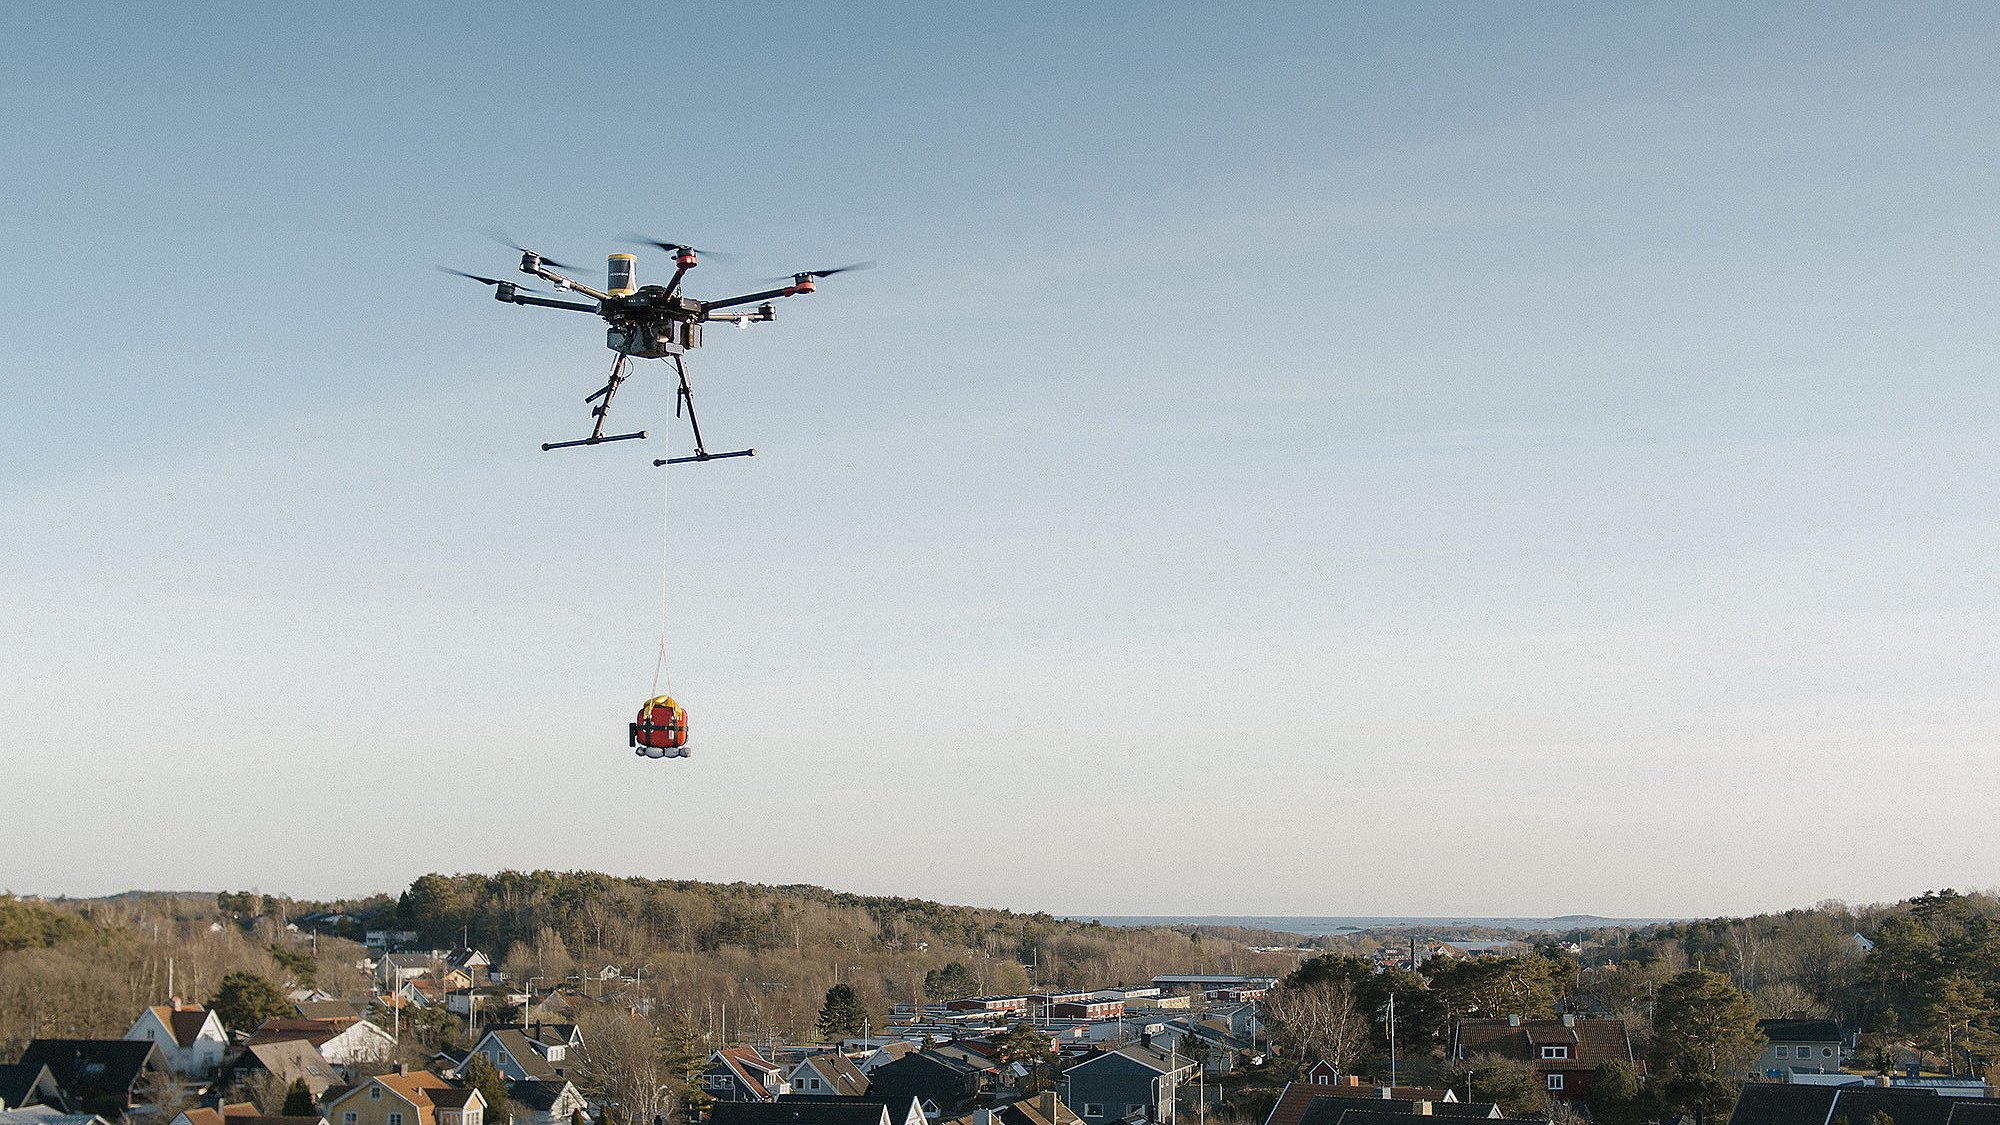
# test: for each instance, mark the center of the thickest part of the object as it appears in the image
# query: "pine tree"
(842, 1014)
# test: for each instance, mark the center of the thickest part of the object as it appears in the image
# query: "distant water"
(1322, 927)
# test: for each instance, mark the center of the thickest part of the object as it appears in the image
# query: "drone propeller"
(677, 248)
(487, 280)
(815, 273)
(501, 237)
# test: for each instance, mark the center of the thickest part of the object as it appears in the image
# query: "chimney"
(1569, 1019)
(1421, 1109)
(982, 1117)
(1350, 1080)
(1514, 1020)
(1383, 1092)
(402, 1068)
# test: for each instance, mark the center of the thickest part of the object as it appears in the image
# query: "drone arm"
(561, 282)
(748, 298)
(544, 302)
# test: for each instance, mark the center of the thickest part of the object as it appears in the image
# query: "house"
(341, 1042)
(902, 1111)
(191, 1038)
(799, 1112)
(47, 1115)
(1775, 1103)
(1799, 1046)
(1125, 1082)
(827, 1072)
(329, 1008)
(395, 968)
(1302, 1097)
(472, 961)
(406, 1097)
(550, 1034)
(240, 1113)
(934, 1075)
(520, 1058)
(1563, 1052)
(1043, 1109)
(883, 1054)
(1321, 1073)
(287, 1061)
(388, 939)
(739, 1074)
(1397, 1111)
(1206, 983)
(100, 1076)
(23, 1085)
(548, 1103)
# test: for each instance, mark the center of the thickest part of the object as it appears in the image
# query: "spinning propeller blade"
(814, 273)
(501, 237)
(487, 280)
(677, 247)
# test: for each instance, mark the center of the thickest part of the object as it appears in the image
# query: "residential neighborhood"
(393, 1031)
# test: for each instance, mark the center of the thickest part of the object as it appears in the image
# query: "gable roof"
(526, 1054)
(1044, 1108)
(1342, 1111)
(109, 1065)
(539, 1096)
(1591, 1041)
(184, 1024)
(338, 1010)
(1298, 1098)
(1156, 1061)
(25, 1085)
(837, 1071)
(316, 1032)
(793, 1111)
(291, 1060)
(422, 1089)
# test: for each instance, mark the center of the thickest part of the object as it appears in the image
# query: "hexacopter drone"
(648, 322)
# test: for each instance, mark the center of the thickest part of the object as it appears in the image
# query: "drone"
(648, 322)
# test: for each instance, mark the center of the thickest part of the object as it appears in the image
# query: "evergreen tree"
(1704, 1024)
(480, 1074)
(842, 1014)
(243, 1000)
(298, 1101)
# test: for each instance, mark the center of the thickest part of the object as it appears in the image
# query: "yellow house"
(414, 1097)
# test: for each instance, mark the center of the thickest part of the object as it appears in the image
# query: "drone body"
(647, 322)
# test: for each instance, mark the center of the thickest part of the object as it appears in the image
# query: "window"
(349, 1118)
(1561, 1052)
(1320, 1079)
(395, 1119)
(1826, 1052)
(474, 1116)
(374, 1093)
(1555, 1083)
(1784, 1052)
(1092, 1109)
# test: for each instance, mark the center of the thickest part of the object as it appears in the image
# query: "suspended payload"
(661, 730)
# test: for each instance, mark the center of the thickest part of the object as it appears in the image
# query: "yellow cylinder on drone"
(618, 274)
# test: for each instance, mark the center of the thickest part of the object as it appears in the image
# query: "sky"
(1309, 459)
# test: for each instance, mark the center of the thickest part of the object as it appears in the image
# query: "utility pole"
(1392, 1042)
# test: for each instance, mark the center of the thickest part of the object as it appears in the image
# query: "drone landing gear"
(701, 453)
(605, 392)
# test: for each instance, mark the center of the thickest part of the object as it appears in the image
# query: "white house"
(191, 1039)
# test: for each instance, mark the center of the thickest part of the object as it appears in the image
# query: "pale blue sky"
(1456, 458)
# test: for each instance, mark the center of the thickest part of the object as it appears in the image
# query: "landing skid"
(704, 455)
